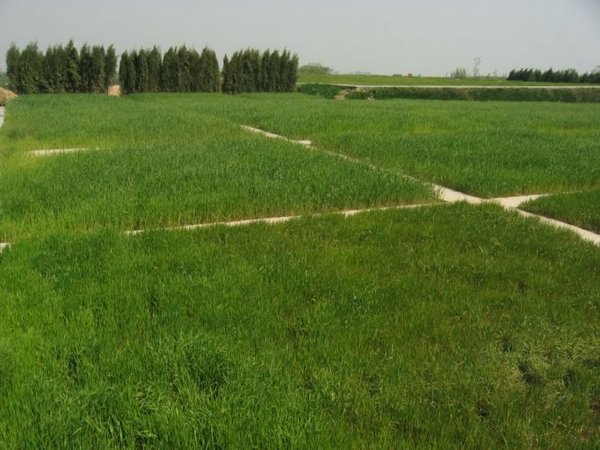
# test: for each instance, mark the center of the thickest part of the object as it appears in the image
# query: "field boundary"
(504, 202)
(282, 219)
(447, 195)
(449, 86)
(450, 195)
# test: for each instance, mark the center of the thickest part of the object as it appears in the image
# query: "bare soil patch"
(114, 90)
(6, 95)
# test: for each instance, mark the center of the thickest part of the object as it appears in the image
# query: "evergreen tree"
(73, 78)
(184, 75)
(226, 86)
(169, 71)
(110, 67)
(123, 66)
(54, 70)
(13, 56)
(30, 70)
(131, 79)
(86, 69)
(142, 70)
(264, 71)
(154, 69)
(205, 71)
(98, 70)
(197, 82)
(274, 72)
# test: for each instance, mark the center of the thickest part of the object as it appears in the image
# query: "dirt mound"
(114, 90)
(6, 95)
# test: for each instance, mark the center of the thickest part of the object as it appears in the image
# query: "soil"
(114, 91)
(6, 95)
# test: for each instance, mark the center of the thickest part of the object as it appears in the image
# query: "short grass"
(387, 80)
(490, 149)
(160, 166)
(581, 209)
(451, 326)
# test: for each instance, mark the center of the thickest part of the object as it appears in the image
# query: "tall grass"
(489, 149)
(164, 166)
(581, 209)
(445, 327)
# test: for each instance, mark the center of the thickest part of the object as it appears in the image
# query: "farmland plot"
(440, 326)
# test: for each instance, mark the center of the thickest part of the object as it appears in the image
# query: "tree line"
(181, 69)
(249, 71)
(60, 69)
(553, 76)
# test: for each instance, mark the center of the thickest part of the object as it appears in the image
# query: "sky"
(427, 37)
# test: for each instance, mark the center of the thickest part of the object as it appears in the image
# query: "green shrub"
(323, 90)
(568, 95)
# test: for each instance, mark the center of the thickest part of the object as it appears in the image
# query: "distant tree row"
(315, 69)
(60, 69)
(249, 71)
(553, 76)
(179, 70)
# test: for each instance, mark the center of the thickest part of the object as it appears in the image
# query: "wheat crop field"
(413, 324)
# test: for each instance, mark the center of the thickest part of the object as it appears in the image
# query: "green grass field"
(442, 327)
(165, 166)
(387, 80)
(439, 327)
(581, 209)
(490, 149)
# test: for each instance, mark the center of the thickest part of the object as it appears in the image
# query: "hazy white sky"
(429, 37)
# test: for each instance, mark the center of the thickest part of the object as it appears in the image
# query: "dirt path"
(447, 195)
(451, 196)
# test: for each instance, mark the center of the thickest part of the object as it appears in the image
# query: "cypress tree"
(123, 66)
(73, 78)
(131, 79)
(13, 56)
(169, 71)
(142, 70)
(184, 75)
(30, 70)
(86, 69)
(97, 70)
(154, 69)
(110, 67)
(196, 72)
(264, 71)
(290, 77)
(54, 70)
(274, 72)
(205, 69)
(226, 86)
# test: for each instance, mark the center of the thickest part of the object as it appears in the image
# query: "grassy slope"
(490, 149)
(161, 166)
(581, 209)
(445, 327)
(386, 80)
